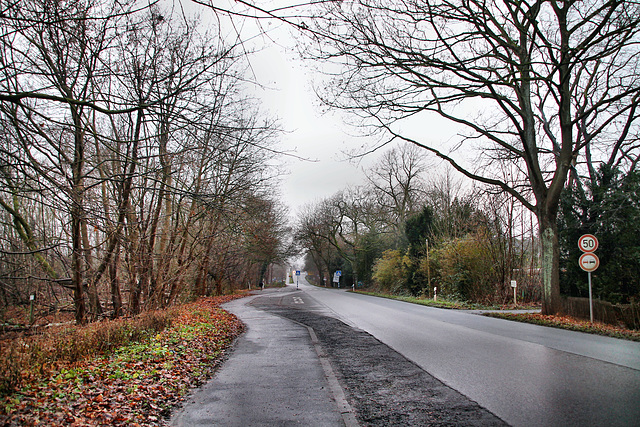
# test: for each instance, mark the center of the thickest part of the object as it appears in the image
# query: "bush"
(389, 271)
(39, 355)
(464, 268)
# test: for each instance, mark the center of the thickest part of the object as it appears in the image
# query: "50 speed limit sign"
(588, 243)
(589, 262)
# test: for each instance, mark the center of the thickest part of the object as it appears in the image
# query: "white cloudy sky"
(320, 141)
(286, 93)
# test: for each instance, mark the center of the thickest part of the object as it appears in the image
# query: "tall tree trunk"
(116, 297)
(77, 194)
(95, 307)
(133, 237)
(156, 290)
(549, 202)
(550, 256)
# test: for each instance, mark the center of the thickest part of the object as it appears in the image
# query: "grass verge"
(137, 382)
(562, 322)
(570, 323)
(442, 303)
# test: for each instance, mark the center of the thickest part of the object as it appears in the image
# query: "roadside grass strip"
(570, 323)
(562, 322)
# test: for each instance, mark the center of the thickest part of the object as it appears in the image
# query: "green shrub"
(389, 271)
(464, 268)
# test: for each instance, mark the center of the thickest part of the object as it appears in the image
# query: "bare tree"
(128, 152)
(314, 233)
(398, 184)
(57, 51)
(536, 82)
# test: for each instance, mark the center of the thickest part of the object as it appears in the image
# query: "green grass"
(440, 303)
(570, 323)
(561, 322)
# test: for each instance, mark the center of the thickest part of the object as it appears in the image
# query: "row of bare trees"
(546, 88)
(134, 170)
(407, 229)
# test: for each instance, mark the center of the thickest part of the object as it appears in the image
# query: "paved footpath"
(273, 377)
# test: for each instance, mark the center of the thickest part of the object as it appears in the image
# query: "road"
(263, 383)
(525, 374)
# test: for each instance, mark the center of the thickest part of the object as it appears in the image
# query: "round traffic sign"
(588, 243)
(589, 262)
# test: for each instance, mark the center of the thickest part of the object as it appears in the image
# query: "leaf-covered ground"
(571, 323)
(135, 385)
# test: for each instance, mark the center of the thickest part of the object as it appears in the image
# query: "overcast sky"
(320, 141)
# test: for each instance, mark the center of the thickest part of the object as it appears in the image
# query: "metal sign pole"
(590, 300)
(588, 243)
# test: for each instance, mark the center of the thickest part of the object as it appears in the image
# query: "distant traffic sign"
(589, 262)
(588, 243)
(297, 272)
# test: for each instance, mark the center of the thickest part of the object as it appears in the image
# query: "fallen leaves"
(570, 323)
(135, 385)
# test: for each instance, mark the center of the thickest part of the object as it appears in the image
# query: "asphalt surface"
(273, 377)
(527, 375)
(297, 366)
(348, 359)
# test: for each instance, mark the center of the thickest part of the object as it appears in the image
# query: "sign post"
(514, 285)
(589, 262)
(336, 277)
(297, 276)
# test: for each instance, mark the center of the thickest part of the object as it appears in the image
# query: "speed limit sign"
(589, 262)
(588, 243)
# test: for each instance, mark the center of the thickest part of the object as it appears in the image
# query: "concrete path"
(273, 377)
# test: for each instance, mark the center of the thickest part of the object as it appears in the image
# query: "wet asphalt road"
(402, 364)
(527, 375)
(272, 377)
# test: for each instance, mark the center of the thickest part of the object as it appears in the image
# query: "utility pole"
(428, 266)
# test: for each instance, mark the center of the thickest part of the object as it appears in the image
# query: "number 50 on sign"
(588, 243)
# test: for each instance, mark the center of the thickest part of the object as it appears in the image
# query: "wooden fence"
(627, 315)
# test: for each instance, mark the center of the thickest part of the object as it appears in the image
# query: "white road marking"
(297, 300)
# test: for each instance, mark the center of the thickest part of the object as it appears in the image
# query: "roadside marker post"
(514, 285)
(435, 293)
(589, 262)
(32, 298)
